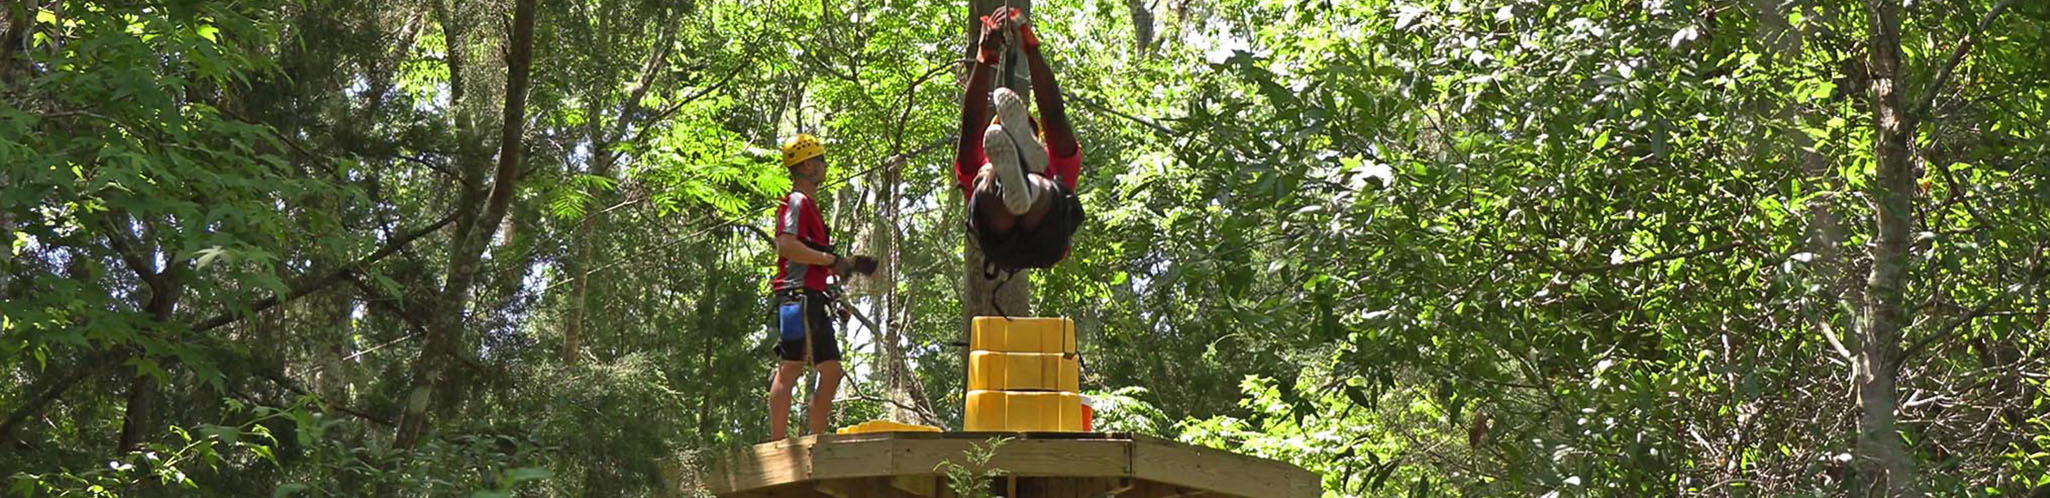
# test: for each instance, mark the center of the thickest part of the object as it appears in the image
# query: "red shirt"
(1063, 169)
(804, 222)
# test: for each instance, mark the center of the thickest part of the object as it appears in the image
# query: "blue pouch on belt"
(790, 320)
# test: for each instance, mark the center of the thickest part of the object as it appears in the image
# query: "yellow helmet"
(801, 148)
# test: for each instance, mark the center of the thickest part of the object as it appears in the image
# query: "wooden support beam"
(923, 486)
(794, 490)
(1149, 489)
(863, 487)
(1071, 487)
(1195, 467)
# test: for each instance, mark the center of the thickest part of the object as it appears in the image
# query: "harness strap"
(804, 316)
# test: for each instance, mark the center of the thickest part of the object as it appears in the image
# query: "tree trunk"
(982, 296)
(579, 267)
(705, 352)
(1884, 467)
(135, 421)
(1000, 296)
(603, 160)
(902, 385)
(6, 220)
(1142, 28)
(135, 418)
(708, 314)
(439, 350)
(331, 371)
(14, 26)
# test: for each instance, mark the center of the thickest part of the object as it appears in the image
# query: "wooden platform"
(1035, 465)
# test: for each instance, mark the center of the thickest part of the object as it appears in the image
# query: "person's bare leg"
(779, 397)
(996, 216)
(1041, 204)
(822, 398)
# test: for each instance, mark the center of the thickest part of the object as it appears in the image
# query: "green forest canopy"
(1457, 247)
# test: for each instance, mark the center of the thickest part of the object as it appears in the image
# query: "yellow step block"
(998, 371)
(985, 411)
(1022, 335)
(886, 426)
(1012, 411)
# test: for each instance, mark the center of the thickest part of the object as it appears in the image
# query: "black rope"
(993, 291)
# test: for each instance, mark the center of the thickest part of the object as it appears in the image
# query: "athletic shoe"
(1003, 156)
(1011, 108)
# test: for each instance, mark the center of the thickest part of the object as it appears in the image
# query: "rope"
(993, 291)
(1068, 335)
(811, 372)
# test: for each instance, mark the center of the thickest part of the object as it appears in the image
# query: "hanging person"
(804, 259)
(1017, 173)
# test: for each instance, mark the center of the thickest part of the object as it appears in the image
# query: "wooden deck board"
(869, 463)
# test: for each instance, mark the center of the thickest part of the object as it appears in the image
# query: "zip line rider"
(1022, 209)
(804, 258)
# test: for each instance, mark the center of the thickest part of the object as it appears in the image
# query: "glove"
(1016, 19)
(991, 44)
(864, 265)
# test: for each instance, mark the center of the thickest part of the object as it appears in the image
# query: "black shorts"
(810, 319)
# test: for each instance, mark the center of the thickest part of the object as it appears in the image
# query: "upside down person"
(1022, 208)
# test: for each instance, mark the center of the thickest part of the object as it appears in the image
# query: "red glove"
(1025, 36)
(992, 42)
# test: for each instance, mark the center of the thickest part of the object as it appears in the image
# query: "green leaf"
(208, 255)
(265, 452)
(287, 489)
(148, 367)
(1359, 396)
(523, 474)
(1601, 140)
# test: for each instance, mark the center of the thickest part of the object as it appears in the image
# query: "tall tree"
(441, 351)
(1885, 468)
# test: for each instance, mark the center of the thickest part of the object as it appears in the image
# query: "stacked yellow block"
(1023, 375)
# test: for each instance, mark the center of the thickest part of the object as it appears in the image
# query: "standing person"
(1022, 209)
(804, 259)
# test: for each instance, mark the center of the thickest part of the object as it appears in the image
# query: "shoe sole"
(1002, 154)
(1012, 107)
